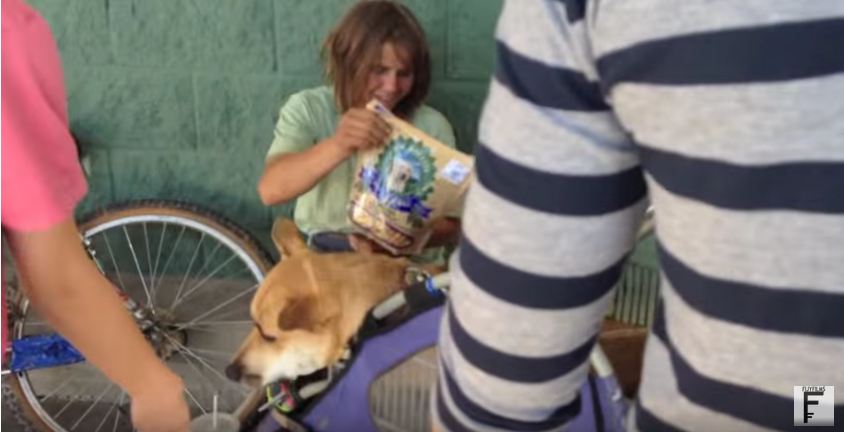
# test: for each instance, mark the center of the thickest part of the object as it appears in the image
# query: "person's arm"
(290, 174)
(67, 289)
(549, 218)
(444, 232)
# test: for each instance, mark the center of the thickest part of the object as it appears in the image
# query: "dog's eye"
(264, 336)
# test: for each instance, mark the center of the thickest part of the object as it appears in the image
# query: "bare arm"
(291, 174)
(66, 288)
(445, 232)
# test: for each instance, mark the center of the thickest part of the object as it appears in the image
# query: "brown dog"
(309, 306)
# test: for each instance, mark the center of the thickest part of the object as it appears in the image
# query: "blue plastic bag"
(42, 351)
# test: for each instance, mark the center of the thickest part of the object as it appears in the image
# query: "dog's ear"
(300, 313)
(287, 239)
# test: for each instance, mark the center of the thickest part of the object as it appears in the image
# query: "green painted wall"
(177, 99)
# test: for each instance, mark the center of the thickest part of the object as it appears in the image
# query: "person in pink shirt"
(41, 184)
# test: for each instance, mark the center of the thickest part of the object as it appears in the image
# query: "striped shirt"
(728, 117)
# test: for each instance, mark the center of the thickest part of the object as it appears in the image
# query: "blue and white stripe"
(730, 116)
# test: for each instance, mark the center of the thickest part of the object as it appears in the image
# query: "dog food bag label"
(405, 185)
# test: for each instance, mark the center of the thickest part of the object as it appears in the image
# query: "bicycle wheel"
(190, 275)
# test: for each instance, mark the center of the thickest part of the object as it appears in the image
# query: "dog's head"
(309, 306)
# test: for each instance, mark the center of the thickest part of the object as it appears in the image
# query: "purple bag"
(345, 405)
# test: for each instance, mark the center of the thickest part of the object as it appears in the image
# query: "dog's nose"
(234, 371)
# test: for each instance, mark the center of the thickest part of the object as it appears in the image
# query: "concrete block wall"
(177, 99)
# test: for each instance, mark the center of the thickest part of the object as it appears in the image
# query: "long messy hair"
(353, 48)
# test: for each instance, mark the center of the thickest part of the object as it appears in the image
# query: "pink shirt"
(41, 178)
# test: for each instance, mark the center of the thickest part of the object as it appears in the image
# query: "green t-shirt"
(311, 116)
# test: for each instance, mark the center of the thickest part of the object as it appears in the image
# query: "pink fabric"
(41, 178)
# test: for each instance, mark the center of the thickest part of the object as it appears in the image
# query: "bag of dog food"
(403, 186)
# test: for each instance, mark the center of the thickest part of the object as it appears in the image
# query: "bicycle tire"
(19, 396)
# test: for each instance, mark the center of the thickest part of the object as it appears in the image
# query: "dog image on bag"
(309, 307)
(401, 173)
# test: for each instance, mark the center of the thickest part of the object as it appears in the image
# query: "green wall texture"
(177, 99)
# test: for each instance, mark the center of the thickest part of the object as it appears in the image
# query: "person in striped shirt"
(728, 118)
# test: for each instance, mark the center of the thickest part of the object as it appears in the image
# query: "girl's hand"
(361, 129)
(364, 245)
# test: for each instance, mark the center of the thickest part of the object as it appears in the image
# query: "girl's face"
(391, 79)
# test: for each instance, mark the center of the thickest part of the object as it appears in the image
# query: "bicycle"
(186, 275)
